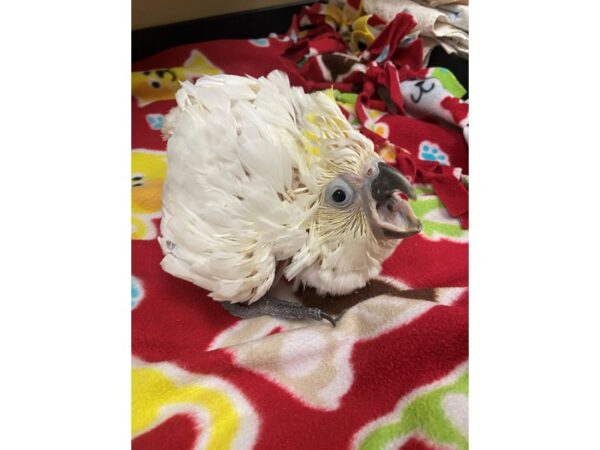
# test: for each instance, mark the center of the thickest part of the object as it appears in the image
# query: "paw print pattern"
(260, 42)
(137, 292)
(429, 151)
(155, 121)
(383, 55)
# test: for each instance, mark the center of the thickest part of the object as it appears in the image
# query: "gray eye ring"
(339, 194)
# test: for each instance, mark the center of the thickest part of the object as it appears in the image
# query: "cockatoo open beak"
(392, 216)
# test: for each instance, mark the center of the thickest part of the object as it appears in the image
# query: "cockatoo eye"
(339, 193)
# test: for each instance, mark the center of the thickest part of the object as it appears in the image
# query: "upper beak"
(392, 213)
(388, 181)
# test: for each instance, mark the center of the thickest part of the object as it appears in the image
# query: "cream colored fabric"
(446, 25)
(444, 2)
(457, 14)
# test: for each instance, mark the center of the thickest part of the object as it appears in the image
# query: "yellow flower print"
(148, 171)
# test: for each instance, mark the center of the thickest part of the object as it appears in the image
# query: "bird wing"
(229, 207)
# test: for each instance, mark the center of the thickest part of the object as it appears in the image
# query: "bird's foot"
(269, 306)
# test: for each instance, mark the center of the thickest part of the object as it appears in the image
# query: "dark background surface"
(250, 25)
(243, 25)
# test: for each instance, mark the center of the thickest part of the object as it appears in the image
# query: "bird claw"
(327, 317)
(269, 306)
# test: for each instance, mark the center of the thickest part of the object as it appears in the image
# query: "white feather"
(243, 184)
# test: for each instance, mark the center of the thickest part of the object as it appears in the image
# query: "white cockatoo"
(265, 180)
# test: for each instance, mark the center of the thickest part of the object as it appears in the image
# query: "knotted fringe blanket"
(393, 372)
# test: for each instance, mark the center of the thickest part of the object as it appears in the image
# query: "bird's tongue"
(396, 218)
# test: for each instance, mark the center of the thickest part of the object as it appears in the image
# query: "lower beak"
(393, 216)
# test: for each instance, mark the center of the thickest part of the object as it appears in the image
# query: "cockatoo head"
(361, 210)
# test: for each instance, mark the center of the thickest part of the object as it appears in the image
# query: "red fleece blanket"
(393, 372)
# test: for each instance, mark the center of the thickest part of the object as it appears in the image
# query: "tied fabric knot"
(387, 46)
(447, 186)
(443, 179)
(385, 81)
(382, 70)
